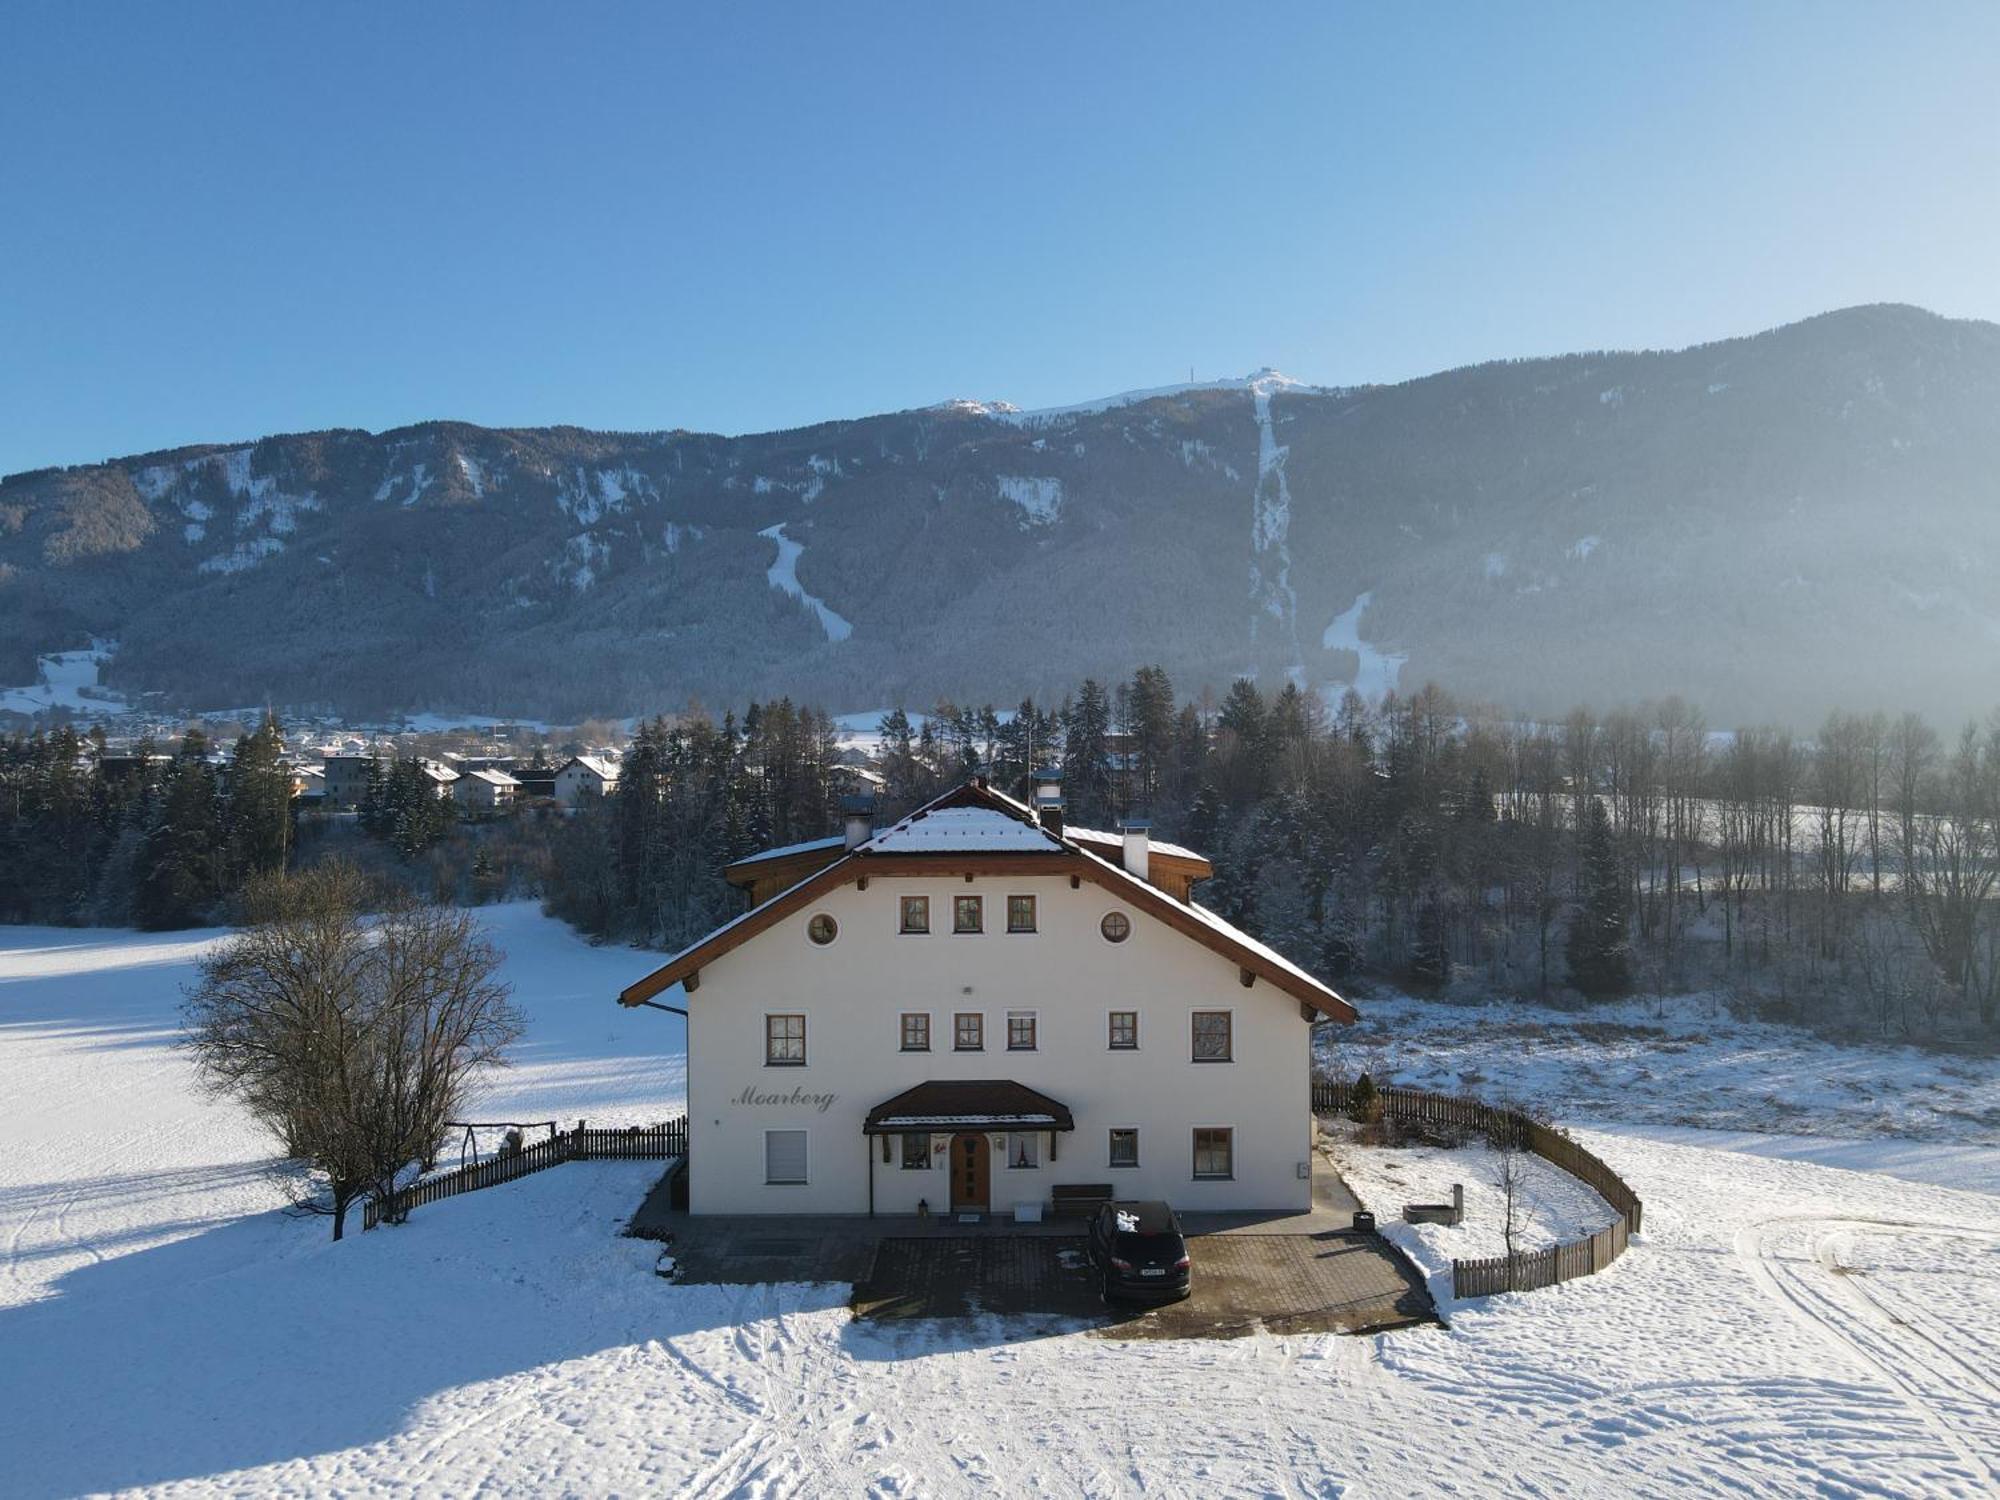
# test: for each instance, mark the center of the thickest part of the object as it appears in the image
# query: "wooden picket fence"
(1539, 1268)
(651, 1142)
(1523, 1272)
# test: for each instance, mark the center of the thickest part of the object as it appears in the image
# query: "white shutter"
(784, 1156)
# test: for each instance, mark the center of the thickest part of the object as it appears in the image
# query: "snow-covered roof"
(954, 830)
(493, 778)
(784, 851)
(1157, 846)
(597, 765)
(974, 819)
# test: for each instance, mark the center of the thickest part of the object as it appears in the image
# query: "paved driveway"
(1286, 1283)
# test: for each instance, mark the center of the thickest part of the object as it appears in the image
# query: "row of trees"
(152, 844)
(1848, 878)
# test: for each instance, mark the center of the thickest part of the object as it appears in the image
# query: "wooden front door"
(970, 1160)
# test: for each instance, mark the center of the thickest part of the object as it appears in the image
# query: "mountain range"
(1768, 526)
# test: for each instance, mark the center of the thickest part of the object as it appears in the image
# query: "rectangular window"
(968, 1032)
(1214, 1152)
(968, 914)
(784, 1041)
(1020, 1031)
(1024, 1149)
(1124, 1031)
(916, 1151)
(1124, 1148)
(916, 913)
(916, 1031)
(1020, 913)
(784, 1157)
(1212, 1036)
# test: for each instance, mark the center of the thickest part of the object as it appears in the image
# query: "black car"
(1140, 1251)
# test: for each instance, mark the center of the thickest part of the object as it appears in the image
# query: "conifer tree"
(1086, 763)
(1599, 948)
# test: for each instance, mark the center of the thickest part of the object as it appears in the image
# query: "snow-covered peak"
(966, 406)
(1263, 382)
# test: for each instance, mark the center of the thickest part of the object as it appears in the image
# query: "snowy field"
(1685, 1069)
(1782, 1328)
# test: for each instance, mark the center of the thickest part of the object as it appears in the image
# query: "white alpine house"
(974, 1008)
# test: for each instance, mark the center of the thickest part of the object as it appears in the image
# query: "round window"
(822, 929)
(1116, 927)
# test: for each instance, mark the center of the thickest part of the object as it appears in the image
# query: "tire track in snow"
(1924, 1374)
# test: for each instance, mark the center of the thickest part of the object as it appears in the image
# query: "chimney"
(858, 813)
(1138, 848)
(1049, 800)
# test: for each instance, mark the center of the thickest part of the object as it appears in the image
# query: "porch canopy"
(968, 1104)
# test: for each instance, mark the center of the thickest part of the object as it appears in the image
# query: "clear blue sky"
(219, 221)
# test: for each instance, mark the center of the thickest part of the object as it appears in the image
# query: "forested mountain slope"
(1771, 525)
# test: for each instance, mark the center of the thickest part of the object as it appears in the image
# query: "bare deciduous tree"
(353, 1040)
(1511, 1155)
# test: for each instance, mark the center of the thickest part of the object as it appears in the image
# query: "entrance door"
(969, 1165)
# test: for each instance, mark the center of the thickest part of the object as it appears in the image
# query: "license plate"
(1153, 1271)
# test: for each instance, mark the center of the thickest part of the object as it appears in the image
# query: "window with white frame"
(1213, 1041)
(1124, 1031)
(968, 1032)
(1214, 1151)
(784, 1157)
(968, 914)
(1020, 913)
(916, 1150)
(1020, 1031)
(1124, 1149)
(916, 1031)
(916, 914)
(1024, 1149)
(784, 1041)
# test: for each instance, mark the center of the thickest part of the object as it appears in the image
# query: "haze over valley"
(1770, 526)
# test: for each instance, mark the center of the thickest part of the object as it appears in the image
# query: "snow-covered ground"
(1377, 671)
(1782, 1328)
(784, 575)
(1550, 1206)
(67, 679)
(1686, 1069)
(107, 1145)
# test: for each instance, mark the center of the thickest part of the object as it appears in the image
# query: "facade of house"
(585, 776)
(345, 779)
(973, 1007)
(485, 791)
(441, 776)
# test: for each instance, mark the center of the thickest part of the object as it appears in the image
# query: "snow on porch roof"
(968, 1104)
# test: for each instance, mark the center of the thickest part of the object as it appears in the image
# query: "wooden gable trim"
(1249, 962)
(728, 939)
